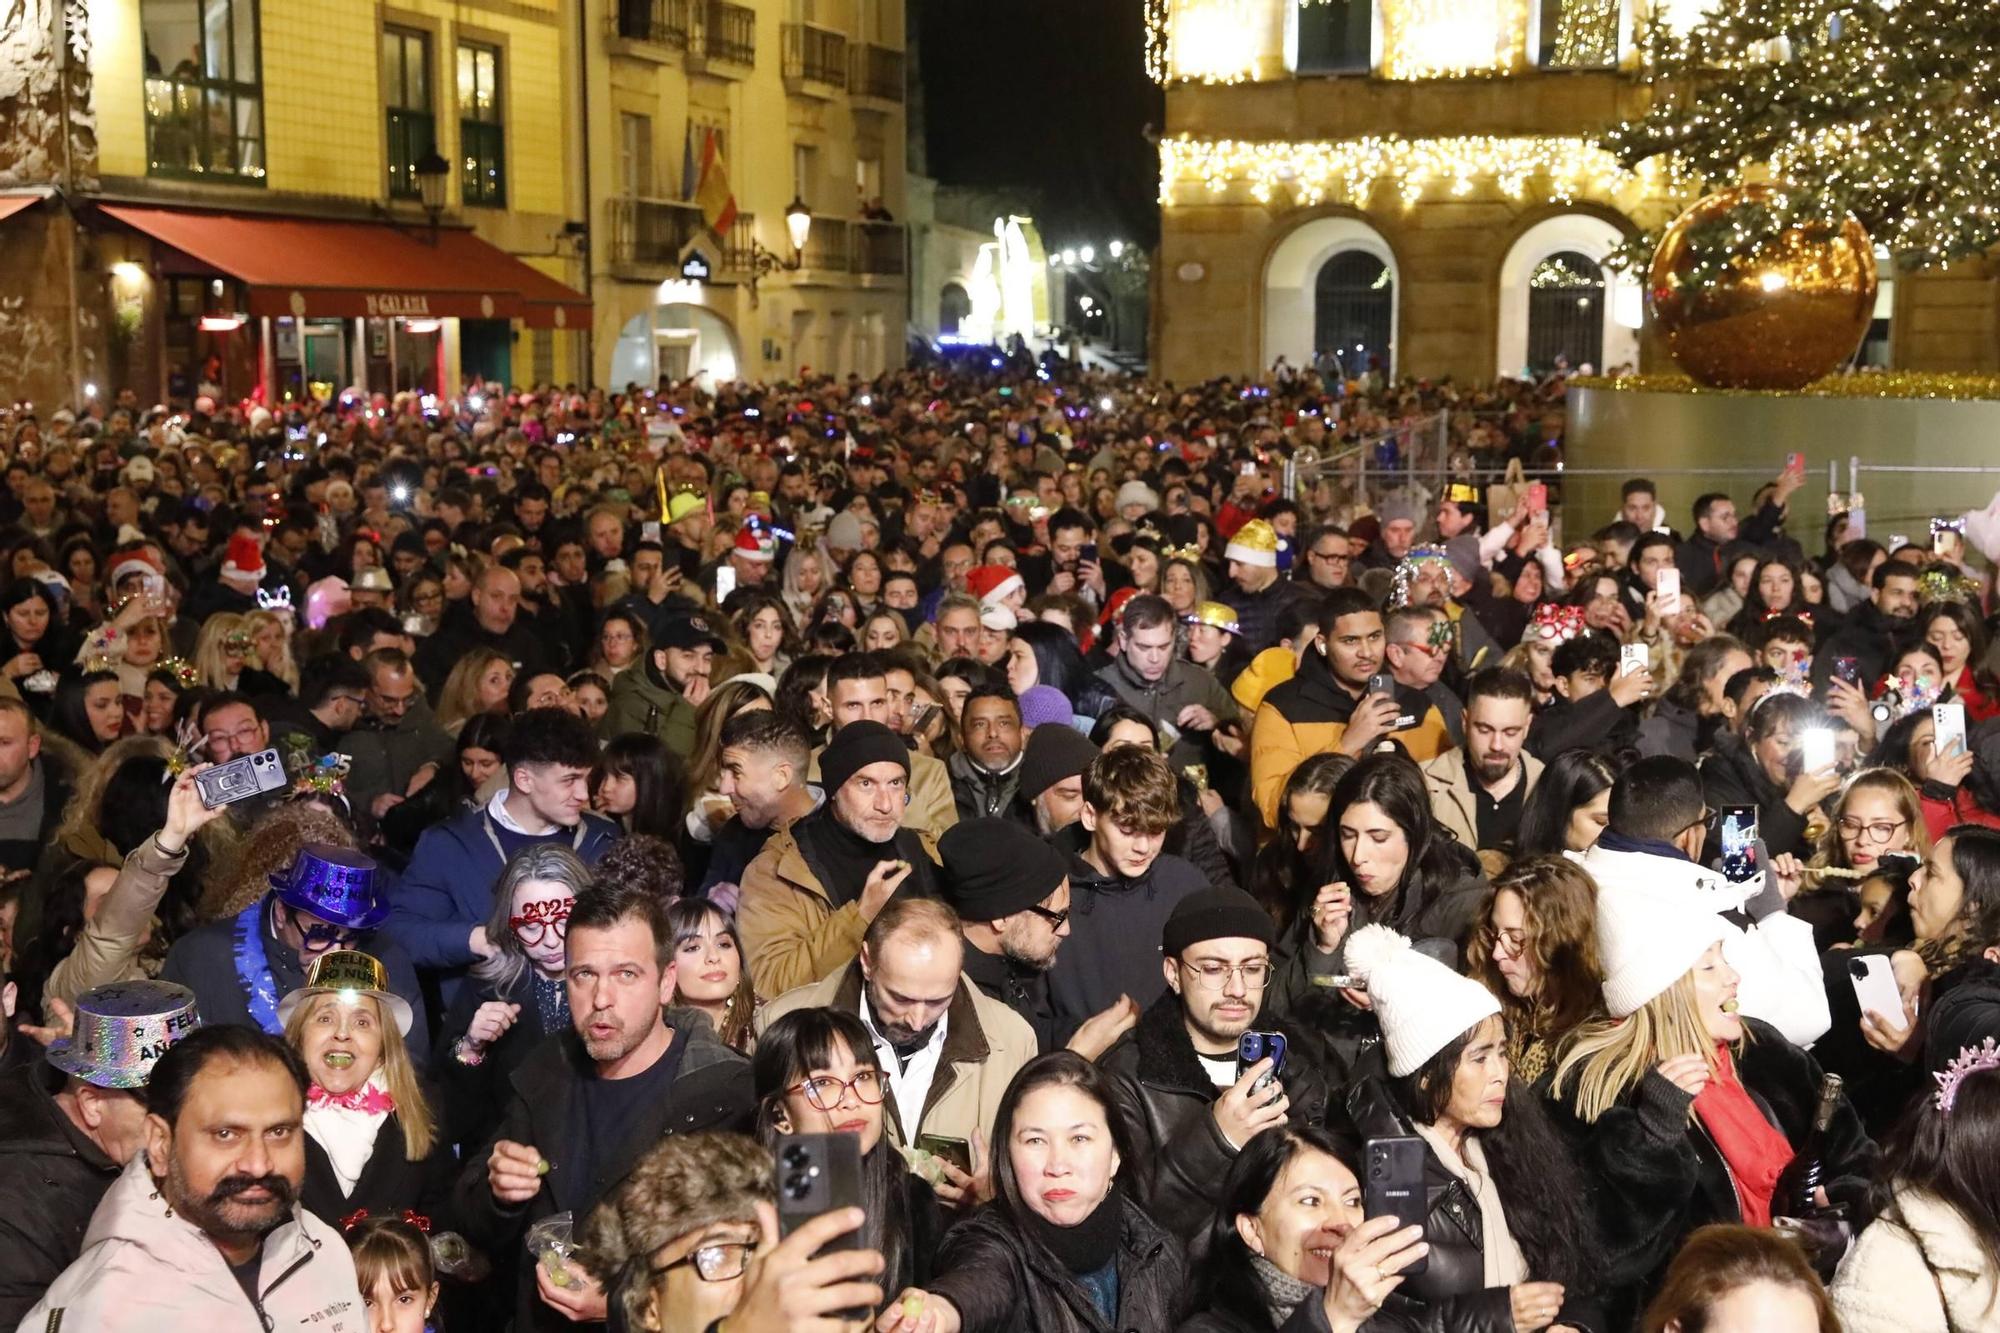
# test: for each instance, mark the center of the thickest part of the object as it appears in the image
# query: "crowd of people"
(472, 865)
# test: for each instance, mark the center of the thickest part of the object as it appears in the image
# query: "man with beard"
(947, 1050)
(986, 772)
(1052, 767)
(763, 777)
(203, 1229)
(1011, 892)
(1873, 632)
(589, 1102)
(1189, 1105)
(1478, 789)
(660, 695)
(813, 891)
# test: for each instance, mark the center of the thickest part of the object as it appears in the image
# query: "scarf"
(253, 970)
(1283, 1293)
(345, 1125)
(1089, 1245)
(842, 858)
(1505, 1264)
(1754, 1150)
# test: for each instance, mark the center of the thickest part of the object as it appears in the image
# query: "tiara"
(1969, 1060)
(1800, 615)
(1190, 553)
(1937, 584)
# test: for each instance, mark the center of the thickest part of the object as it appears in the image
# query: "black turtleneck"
(843, 858)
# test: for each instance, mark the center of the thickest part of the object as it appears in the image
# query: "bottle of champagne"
(1799, 1182)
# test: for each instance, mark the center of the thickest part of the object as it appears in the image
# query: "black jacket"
(1595, 723)
(389, 1183)
(1657, 1174)
(1001, 1282)
(1731, 775)
(1166, 1097)
(1115, 925)
(472, 1098)
(1257, 612)
(52, 1178)
(1869, 637)
(1451, 1293)
(713, 1090)
(1025, 990)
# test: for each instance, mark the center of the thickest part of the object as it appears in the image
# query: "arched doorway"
(1329, 286)
(1557, 298)
(674, 342)
(1566, 295)
(1353, 300)
(954, 304)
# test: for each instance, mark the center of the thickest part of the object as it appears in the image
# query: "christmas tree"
(1886, 109)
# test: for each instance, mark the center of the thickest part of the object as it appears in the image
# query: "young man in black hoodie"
(1594, 703)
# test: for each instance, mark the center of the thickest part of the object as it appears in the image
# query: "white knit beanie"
(1647, 939)
(1422, 1005)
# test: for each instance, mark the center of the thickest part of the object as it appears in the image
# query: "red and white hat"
(995, 616)
(141, 561)
(244, 564)
(991, 583)
(755, 544)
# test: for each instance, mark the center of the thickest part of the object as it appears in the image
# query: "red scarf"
(1754, 1151)
(368, 1099)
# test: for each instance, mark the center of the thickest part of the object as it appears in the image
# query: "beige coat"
(1451, 792)
(107, 949)
(792, 934)
(1909, 1265)
(985, 1045)
(932, 809)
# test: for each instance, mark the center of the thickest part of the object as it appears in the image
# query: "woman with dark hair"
(455, 787)
(1287, 1247)
(816, 1072)
(1731, 1279)
(1959, 636)
(1289, 861)
(1764, 767)
(1774, 591)
(765, 626)
(827, 636)
(802, 695)
(638, 782)
(88, 710)
(32, 635)
(1062, 1248)
(1509, 1226)
(1930, 1262)
(1213, 640)
(1536, 950)
(1849, 578)
(1569, 807)
(712, 976)
(1042, 654)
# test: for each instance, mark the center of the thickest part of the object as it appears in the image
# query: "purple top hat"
(335, 884)
(122, 1029)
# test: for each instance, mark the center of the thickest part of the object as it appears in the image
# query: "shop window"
(1334, 36)
(482, 133)
(204, 94)
(406, 96)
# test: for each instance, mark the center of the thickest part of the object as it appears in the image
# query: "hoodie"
(1774, 956)
(1115, 926)
(145, 1268)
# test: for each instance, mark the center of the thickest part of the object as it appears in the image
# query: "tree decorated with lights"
(1885, 109)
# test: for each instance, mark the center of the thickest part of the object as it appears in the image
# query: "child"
(393, 1268)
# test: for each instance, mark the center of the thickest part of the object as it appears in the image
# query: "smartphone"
(725, 583)
(1632, 657)
(1667, 586)
(1739, 843)
(816, 1173)
(1948, 721)
(1848, 669)
(1795, 464)
(1394, 1184)
(924, 719)
(1538, 497)
(1875, 988)
(1087, 553)
(240, 779)
(1254, 1046)
(956, 1151)
(1382, 683)
(1816, 750)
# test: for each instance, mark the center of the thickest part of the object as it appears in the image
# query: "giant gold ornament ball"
(1778, 318)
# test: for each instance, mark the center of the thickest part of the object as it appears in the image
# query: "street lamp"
(431, 171)
(798, 230)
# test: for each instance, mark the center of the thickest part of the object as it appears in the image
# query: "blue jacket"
(448, 888)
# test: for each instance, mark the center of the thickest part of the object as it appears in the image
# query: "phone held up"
(1739, 843)
(1393, 1185)
(1254, 1046)
(240, 779)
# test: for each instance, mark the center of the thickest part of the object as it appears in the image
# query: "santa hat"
(244, 564)
(1255, 543)
(1648, 938)
(141, 561)
(1422, 1005)
(754, 543)
(991, 583)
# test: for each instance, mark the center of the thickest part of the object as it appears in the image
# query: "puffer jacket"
(1657, 1174)
(1001, 1282)
(1918, 1268)
(144, 1268)
(1167, 1098)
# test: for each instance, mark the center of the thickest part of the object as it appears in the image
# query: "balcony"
(723, 40)
(876, 74)
(648, 236)
(815, 61)
(880, 249)
(648, 29)
(866, 250)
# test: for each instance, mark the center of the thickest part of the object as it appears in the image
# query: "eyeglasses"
(1880, 830)
(1213, 975)
(1706, 815)
(1055, 919)
(539, 920)
(1331, 557)
(715, 1263)
(318, 937)
(826, 1092)
(1512, 942)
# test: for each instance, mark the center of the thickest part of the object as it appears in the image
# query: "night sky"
(1050, 96)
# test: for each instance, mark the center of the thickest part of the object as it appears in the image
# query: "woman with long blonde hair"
(477, 684)
(271, 645)
(222, 650)
(1685, 1110)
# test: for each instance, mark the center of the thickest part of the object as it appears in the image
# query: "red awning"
(314, 268)
(14, 203)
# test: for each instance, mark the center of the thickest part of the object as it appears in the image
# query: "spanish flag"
(718, 205)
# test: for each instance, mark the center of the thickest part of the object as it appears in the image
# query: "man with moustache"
(203, 1229)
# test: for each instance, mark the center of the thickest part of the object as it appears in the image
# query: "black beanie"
(1215, 914)
(1052, 754)
(854, 747)
(996, 867)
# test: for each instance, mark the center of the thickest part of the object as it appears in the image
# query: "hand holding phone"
(1667, 590)
(1538, 497)
(1875, 989)
(1739, 843)
(1948, 726)
(1393, 1184)
(1816, 750)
